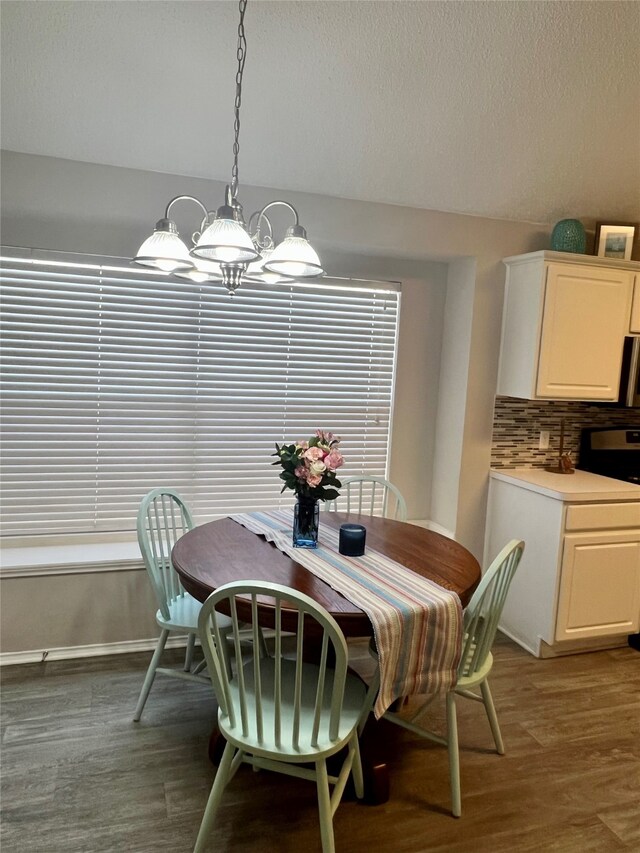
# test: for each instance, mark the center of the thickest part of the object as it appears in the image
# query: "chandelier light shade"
(164, 250)
(225, 248)
(295, 256)
(256, 271)
(225, 241)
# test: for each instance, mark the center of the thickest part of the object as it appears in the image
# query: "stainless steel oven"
(611, 452)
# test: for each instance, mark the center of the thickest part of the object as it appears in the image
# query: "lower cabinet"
(578, 585)
(599, 591)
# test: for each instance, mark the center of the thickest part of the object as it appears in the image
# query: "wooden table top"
(223, 551)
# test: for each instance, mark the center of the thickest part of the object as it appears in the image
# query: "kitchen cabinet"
(599, 585)
(564, 322)
(578, 585)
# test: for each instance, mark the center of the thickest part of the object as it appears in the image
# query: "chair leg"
(490, 708)
(454, 756)
(369, 700)
(188, 657)
(219, 784)
(324, 808)
(151, 674)
(358, 780)
(200, 666)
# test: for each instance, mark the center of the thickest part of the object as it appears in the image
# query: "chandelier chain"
(241, 54)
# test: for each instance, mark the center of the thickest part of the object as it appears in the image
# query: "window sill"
(85, 557)
(20, 561)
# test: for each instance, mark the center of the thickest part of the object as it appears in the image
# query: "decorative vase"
(306, 519)
(569, 235)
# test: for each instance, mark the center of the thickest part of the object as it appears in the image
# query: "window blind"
(116, 381)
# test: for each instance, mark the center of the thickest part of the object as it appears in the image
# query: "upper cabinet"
(564, 322)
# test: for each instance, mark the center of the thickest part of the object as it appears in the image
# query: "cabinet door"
(635, 311)
(599, 585)
(585, 319)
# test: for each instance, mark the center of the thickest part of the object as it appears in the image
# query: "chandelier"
(226, 249)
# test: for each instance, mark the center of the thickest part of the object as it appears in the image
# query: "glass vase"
(306, 519)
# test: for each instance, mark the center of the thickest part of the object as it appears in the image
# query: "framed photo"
(614, 240)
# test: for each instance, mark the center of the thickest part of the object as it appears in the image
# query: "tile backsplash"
(517, 425)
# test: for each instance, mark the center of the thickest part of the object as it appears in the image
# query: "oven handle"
(634, 369)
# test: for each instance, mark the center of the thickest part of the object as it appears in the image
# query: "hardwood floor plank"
(583, 724)
(624, 820)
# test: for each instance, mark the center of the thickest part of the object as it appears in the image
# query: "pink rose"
(314, 480)
(334, 460)
(313, 453)
(301, 472)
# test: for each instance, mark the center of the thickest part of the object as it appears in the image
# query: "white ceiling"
(522, 110)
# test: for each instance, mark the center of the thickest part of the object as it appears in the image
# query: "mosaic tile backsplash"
(517, 425)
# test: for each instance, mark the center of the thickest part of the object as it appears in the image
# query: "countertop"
(580, 487)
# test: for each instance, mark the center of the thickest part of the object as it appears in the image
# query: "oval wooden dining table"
(223, 551)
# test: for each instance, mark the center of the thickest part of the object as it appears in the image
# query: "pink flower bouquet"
(309, 467)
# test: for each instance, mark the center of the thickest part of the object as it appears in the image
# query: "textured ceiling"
(522, 110)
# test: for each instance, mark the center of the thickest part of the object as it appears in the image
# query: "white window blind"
(116, 381)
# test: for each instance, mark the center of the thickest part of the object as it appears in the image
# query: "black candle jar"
(352, 540)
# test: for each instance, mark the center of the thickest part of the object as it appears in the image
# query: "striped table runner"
(417, 623)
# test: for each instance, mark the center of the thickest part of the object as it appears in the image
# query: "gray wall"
(453, 282)
(78, 609)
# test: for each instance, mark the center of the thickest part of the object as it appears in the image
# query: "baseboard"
(97, 650)
(520, 642)
(545, 651)
(432, 525)
(577, 647)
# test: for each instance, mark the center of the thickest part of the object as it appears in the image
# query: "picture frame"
(614, 240)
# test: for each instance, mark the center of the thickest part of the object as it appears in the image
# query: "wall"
(449, 352)
(80, 609)
(517, 425)
(420, 340)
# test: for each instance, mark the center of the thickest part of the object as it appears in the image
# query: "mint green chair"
(163, 518)
(359, 494)
(278, 713)
(481, 619)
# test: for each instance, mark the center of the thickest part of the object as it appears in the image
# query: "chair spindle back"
(163, 518)
(276, 701)
(362, 493)
(483, 612)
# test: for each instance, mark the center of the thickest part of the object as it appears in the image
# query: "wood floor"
(79, 776)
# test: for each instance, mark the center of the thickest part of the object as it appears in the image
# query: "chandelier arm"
(264, 218)
(186, 198)
(205, 219)
(261, 213)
